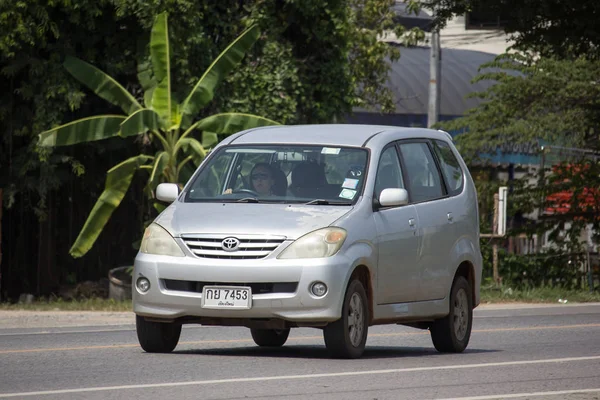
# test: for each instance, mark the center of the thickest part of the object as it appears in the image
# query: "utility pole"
(434, 79)
(495, 222)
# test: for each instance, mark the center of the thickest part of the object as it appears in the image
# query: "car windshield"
(320, 175)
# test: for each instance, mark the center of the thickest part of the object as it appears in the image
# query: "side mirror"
(167, 192)
(392, 197)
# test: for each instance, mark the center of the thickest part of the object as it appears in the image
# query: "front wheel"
(157, 337)
(451, 334)
(270, 337)
(346, 337)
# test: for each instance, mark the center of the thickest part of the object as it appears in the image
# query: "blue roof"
(409, 80)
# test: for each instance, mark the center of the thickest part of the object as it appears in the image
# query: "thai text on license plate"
(227, 297)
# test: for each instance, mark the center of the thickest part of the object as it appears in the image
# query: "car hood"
(289, 220)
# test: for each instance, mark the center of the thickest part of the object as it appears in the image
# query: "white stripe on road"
(290, 377)
(534, 394)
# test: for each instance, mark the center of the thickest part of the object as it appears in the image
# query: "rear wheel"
(451, 334)
(270, 337)
(346, 337)
(157, 337)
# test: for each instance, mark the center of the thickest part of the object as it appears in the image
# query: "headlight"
(158, 241)
(322, 243)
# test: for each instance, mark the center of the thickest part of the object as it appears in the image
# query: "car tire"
(451, 334)
(270, 337)
(157, 337)
(346, 337)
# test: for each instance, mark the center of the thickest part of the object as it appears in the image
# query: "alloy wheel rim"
(461, 314)
(356, 319)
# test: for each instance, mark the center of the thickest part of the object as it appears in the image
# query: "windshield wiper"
(323, 202)
(247, 200)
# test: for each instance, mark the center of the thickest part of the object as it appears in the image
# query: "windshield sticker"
(347, 194)
(330, 150)
(350, 183)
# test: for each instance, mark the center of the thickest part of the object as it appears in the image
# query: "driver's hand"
(228, 191)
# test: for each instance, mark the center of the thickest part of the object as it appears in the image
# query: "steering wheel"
(252, 192)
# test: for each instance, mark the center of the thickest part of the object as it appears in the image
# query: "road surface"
(524, 352)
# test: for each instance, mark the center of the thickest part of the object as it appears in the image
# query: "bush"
(522, 271)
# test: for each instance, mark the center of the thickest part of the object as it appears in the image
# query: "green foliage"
(538, 101)
(299, 72)
(270, 84)
(316, 61)
(118, 180)
(36, 91)
(556, 101)
(161, 120)
(553, 268)
(370, 21)
(333, 47)
(565, 201)
(551, 27)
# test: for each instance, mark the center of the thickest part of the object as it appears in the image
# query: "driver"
(261, 179)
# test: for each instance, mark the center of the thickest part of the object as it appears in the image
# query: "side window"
(388, 172)
(212, 184)
(451, 170)
(422, 173)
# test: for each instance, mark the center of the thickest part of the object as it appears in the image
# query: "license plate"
(226, 297)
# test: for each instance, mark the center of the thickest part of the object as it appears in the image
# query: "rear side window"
(423, 177)
(451, 170)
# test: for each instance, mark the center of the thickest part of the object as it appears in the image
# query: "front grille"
(251, 247)
(257, 288)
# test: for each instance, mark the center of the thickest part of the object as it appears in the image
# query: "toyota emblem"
(230, 244)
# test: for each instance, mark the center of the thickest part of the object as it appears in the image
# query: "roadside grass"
(489, 295)
(91, 304)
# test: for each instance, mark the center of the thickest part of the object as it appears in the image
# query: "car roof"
(328, 134)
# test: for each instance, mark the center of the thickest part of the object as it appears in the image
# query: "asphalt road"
(517, 352)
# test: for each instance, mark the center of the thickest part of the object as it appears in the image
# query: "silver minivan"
(336, 227)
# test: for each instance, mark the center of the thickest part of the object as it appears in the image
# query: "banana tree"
(169, 125)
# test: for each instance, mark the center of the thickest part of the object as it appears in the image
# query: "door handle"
(411, 221)
(450, 217)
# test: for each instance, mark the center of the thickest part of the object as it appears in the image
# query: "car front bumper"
(300, 306)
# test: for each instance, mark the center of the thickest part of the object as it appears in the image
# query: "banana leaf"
(228, 123)
(146, 78)
(118, 180)
(160, 163)
(192, 148)
(159, 53)
(139, 122)
(102, 84)
(83, 130)
(159, 207)
(203, 92)
(209, 139)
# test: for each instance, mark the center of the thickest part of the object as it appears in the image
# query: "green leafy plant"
(167, 124)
